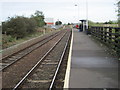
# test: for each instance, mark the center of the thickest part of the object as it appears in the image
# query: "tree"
(39, 17)
(31, 25)
(19, 26)
(69, 24)
(58, 23)
(109, 22)
(91, 23)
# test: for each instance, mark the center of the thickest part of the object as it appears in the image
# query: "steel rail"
(60, 61)
(23, 79)
(27, 53)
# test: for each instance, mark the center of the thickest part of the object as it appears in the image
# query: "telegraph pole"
(87, 14)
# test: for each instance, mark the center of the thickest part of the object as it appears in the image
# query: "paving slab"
(91, 65)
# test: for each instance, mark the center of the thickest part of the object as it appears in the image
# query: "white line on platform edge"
(66, 82)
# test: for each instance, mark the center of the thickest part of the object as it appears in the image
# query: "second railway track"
(18, 72)
(9, 60)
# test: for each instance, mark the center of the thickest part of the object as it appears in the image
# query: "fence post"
(93, 31)
(102, 33)
(105, 34)
(96, 32)
(110, 37)
(117, 49)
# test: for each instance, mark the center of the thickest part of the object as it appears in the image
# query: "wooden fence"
(108, 35)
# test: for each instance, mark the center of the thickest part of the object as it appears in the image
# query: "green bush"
(19, 26)
(7, 38)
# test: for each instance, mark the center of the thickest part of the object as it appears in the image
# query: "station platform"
(90, 65)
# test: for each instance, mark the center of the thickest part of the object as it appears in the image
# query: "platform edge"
(67, 75)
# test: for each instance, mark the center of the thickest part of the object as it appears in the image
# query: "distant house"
(49, 21)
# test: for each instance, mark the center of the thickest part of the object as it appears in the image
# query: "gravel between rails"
(42, 76)
(12, 75)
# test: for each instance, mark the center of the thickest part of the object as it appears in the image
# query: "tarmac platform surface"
(91, 65)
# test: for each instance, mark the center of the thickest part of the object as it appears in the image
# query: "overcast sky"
(64, 10)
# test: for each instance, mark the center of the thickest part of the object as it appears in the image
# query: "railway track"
(9, 60)
(25, 72)
(45, 71)
(60, 79)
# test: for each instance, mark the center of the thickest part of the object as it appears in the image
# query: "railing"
(108, 35)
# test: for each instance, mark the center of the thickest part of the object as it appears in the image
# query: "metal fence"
(108, 35)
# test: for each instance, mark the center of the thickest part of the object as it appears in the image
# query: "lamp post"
(78, 10)
(86, 14)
